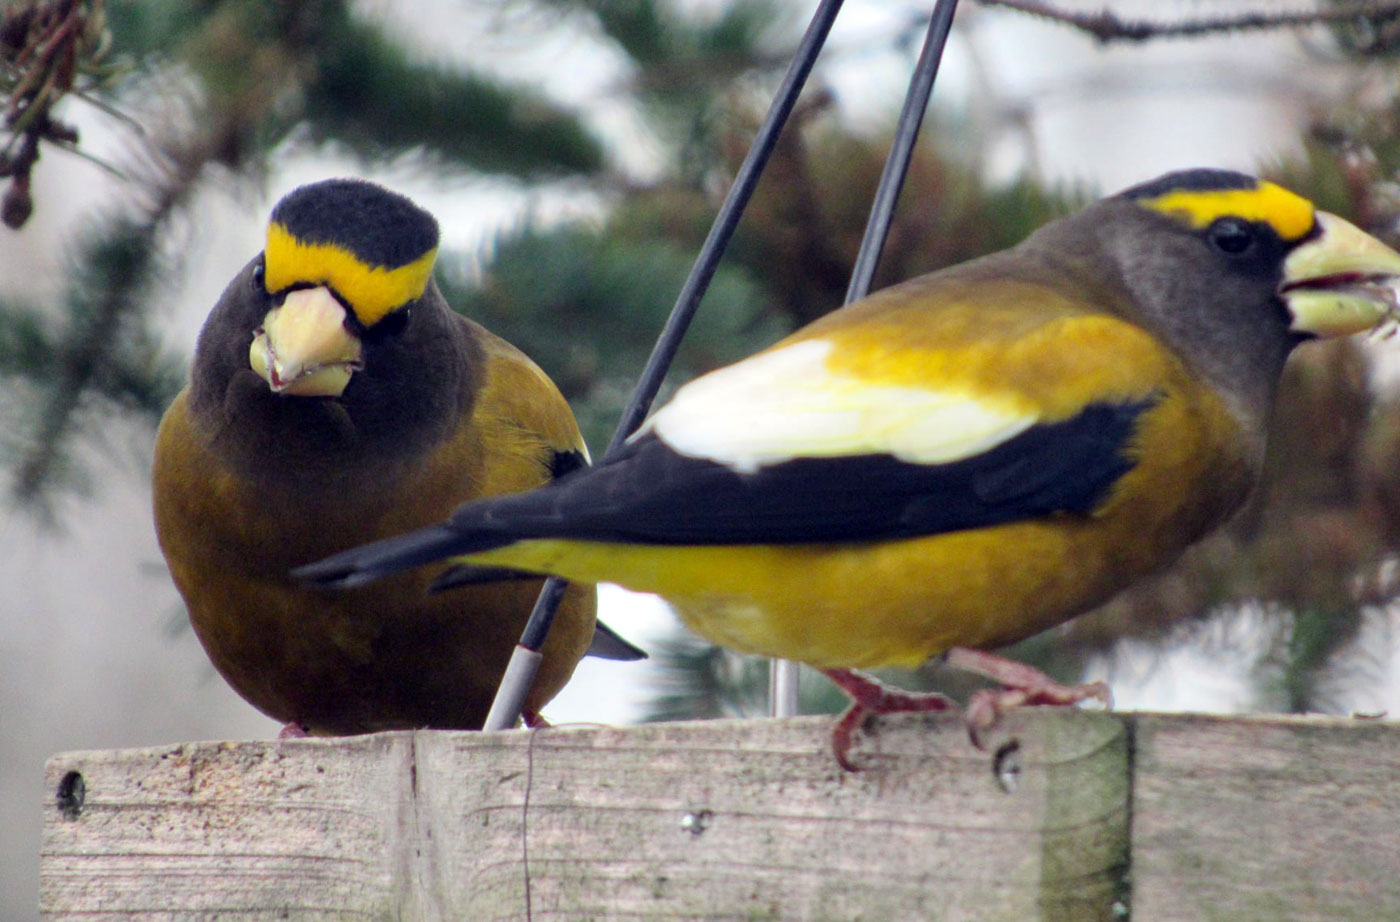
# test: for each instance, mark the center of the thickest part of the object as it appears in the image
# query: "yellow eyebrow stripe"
(1290, 215)
(373, 291)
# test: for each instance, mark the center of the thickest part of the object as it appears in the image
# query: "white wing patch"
(787, 404)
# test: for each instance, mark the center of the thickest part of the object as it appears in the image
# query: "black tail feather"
(369, 562)
(471, 574)
(474, 527)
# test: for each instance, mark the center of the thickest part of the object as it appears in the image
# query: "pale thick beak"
(303, 348)
(1343, 281)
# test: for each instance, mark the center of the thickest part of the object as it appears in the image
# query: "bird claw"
(869, 697)
(985, 707)
(842, 735)
(1022, 686)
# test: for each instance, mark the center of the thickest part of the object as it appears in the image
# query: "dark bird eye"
(257, 278)
(1231, 236)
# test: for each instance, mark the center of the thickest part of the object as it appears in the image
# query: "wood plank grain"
(1265, 819)
(733, 820)
(201, 830)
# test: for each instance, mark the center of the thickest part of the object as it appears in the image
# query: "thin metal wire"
(901, 150)
(505, 709)
(784, 674)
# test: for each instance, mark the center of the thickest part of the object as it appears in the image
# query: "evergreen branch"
(101, 105)
(368, 92)
(111, 169)
(119, 265)
(122, 261)
(80, 364)
(1106, 26)
(26, 347)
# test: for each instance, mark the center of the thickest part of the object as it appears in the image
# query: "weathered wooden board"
(1263, 820)
(1089, 817)
(733, 820)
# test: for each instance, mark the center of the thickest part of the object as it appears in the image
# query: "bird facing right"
(963, 460)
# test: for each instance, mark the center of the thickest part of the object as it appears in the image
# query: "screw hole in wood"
(72, 791)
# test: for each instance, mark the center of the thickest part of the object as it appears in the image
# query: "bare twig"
(1106, 26)
(45, 47)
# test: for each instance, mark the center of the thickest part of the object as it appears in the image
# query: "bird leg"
(1021, 685)
(295, 730)
(871, 696)
(533, 720)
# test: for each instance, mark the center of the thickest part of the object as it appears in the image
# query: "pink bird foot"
(1022, 685)
(870, 696)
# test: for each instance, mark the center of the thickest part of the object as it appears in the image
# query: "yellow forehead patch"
(373, 291)
(1290, 215)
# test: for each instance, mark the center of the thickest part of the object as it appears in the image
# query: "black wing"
(652, 494)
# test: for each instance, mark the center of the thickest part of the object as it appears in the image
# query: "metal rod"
(783, 675)
(901, 150)
(783, 678)
(510, 696)
(745, 181)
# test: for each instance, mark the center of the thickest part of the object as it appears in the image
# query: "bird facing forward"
(334, 399)
(963, 460)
